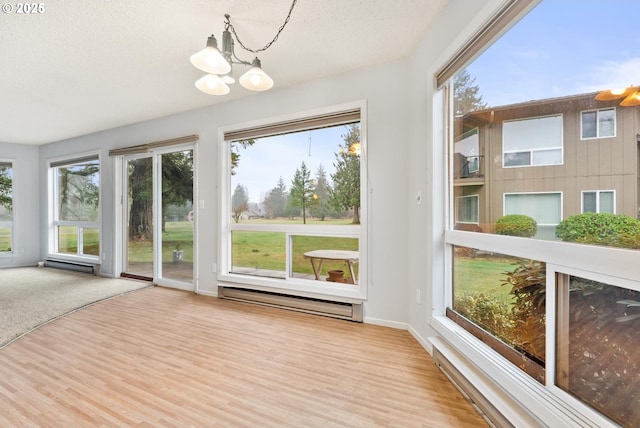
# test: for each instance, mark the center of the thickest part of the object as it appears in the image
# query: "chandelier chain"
(268, 45)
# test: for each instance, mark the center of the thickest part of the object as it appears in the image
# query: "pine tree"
(302, 191)
(465, 94)
(322, 190)
(276, 201)
(346, 180)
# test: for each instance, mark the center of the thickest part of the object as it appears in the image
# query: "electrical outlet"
(417, 295)
(214, 267)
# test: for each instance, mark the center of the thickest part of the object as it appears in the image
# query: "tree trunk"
(356, 215)
(141, 194)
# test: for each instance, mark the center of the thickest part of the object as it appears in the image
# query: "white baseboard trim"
(426, 344)
(385, 323)
(209, 293)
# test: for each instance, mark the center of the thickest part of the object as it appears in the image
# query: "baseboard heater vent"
(477, 399)
(75, 266)
(343, 310)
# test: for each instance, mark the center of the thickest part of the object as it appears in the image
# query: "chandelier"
(218, 63)
(630, 96)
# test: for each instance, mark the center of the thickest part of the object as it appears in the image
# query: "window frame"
(531, 151)
(597, 112)
(597, 192)
(54, 222)
(470, 352)
(459, 199)
(290, 285)
(504, 203)
(11, 165)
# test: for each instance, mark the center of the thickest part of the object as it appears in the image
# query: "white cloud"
(613, 74)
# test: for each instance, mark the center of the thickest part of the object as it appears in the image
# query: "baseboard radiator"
(477, 399)
(74, 266)
(343, 310)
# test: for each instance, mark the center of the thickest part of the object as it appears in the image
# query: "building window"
(6, 207)
(467, 155)
(544, 208)
(598, 123)
(75, 196)
(598, 201)
(293, 194)
(532, 142)
(467, 209)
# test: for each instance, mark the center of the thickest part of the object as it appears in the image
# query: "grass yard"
(266, 250)
(5, 239)
(176, 233)
(259, 250)
(68, 240)
(482, 275)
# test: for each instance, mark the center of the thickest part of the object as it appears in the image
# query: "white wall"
(387, 130)
(26, 208)
(427, 161)
(406, 251)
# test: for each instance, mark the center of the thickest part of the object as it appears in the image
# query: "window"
(6, 206)
(598, 344)
(294, 189)
(75, 197)
(544, 208)
(551, 323)
(467, 156)
(467, 209)
(598, 123)
(598, 201)
(533, 142)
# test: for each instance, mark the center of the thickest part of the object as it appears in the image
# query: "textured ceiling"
(83, 66)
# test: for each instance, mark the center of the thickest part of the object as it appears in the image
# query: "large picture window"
(294, 206)
(553, 303)
(544, 208)
(533, 142)
(75, 196)
(6, 206)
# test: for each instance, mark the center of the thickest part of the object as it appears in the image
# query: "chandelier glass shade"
(210, 59)
(212, 84)
(217, 63)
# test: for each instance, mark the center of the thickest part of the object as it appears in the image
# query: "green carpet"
(32, 296)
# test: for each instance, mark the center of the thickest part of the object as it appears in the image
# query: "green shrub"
(528, 288)
(600, 229)
(516, 225)
(486, 310)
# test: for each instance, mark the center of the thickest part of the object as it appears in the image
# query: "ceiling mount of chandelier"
(630, 96)
(218, 63)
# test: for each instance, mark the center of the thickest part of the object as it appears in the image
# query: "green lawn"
(260, 250)
(266, 250)
(482, 274)
(5, 239)
(176, 232)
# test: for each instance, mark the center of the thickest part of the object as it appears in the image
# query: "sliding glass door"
(158, 217)
(175, 207)
(139, 217)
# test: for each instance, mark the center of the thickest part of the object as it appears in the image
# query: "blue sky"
(262, 164)
(587, 45)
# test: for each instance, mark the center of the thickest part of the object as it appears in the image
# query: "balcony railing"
(468, 167)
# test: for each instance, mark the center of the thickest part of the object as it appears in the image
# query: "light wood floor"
(161, 357)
